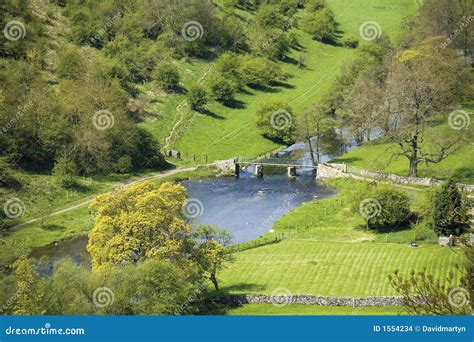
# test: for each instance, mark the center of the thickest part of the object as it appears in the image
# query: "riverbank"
(327, 251)
(71, 223)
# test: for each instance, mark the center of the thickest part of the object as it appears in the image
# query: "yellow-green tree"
(210, 253)
(138, 223)
(29, 289)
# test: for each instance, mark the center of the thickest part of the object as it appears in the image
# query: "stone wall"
(315, 300)
(409, 180)
(225, 165)
(325, 171)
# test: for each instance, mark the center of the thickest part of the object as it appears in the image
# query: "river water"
(245, 206)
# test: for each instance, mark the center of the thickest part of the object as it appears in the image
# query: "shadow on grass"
(212, 114)
(235, 104)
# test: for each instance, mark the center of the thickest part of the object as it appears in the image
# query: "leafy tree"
(167, 76)
(313, 123)
(29, 289)
(422, 83)
(138, 223)
(450, 210)
(72, 64)
(64, 171)
(276, 121)
(222, 89)
(424, 294)
(197, 98)
(383, 208)
(258, 72)
(211, 251)
(320, 24)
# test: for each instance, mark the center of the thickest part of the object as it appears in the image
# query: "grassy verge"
(295, 309)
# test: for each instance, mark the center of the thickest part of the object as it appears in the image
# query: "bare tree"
(422, 82)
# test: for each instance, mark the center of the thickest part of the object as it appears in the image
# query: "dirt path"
(179, 108)
(120, 185)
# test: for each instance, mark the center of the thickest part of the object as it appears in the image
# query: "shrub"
(197, 98)
(276, 121)
(167, 76)
(123, 165)
(383, 208)
(64, 171)
(321, 24)
(222, 90)
(449, 210)
(350, 41)
(257, 71)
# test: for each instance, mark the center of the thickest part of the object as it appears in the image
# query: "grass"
(21, 241)
(330, 268)
(42, 195)
(296, 309)
(332, 219)
(376, 156)
(232, 131)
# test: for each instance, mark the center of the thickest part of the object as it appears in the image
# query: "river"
(245, 206)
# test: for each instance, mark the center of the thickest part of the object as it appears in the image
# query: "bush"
(123, 165)
(64, 171)
(449, 210)
(167, 76)
(222, 90)
(259, 72)
(350, 41)
(276, 121)
(197, 98)
(383, 208)
(321, 25)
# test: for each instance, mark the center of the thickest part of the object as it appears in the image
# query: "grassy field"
(232, 131)
(331, 268)
(17, 242)
(332, 219)
(376, 156)
(295, 310)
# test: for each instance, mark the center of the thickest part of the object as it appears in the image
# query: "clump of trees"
(167, 76)
(146, 260)
(319, 21)
(276, 121)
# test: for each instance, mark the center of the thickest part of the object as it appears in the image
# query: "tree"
(450, 214)
(211, 252)
(363, 107)
(64, 171)
(197, 98)
(222, 90)
(138, 223)
(276, 121)
(167, 76)
(320, 24)
(422, 82)
(383, 208)
(29, 289)
(423, 294)
(72, 64)
(258, 71)
(312, 123)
